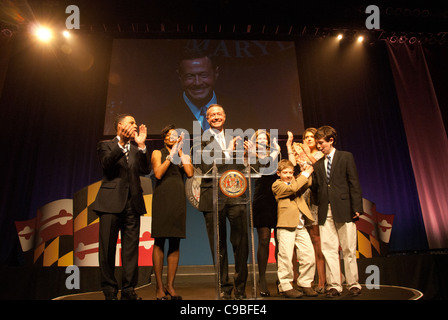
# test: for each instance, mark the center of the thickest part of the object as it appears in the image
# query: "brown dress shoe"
(291, 294)
(309, 292)
(354, 291)
(332, 293)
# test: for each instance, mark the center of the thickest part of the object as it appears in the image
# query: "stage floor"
(198, 283)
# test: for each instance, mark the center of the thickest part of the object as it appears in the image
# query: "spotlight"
(426, 13)
(7, 33)
(66, 34)
(413, 40)
(340, 36)
(360, 39)
(43, 34)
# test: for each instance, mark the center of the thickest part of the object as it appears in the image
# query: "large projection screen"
(256, 82)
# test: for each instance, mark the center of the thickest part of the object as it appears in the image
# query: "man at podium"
(231, 208)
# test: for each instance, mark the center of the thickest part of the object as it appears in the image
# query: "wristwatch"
(169, 158)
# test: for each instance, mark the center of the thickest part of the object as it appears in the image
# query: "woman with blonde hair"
(308, 153)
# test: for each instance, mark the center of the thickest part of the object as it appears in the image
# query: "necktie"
(126, 153)
(204, 123)
(328, 168)
(221, 141)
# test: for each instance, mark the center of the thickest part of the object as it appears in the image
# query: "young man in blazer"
(119, 204)
(340, 202)
(291, 232)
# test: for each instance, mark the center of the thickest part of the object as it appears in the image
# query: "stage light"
(340, 36)
(393, 39)
(66, 34)
(360, 39)
(43, 34)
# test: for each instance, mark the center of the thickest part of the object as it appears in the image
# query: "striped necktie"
(328, 168)
(126, 153)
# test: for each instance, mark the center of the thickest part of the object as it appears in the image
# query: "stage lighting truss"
(414, 38)
(224, 30)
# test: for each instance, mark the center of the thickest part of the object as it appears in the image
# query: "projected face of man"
(198, 78)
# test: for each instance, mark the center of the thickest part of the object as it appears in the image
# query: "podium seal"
(232, 183)
(193, 190)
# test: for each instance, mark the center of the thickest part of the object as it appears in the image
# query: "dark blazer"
(120, 178)
(206, 199)
(343, 191)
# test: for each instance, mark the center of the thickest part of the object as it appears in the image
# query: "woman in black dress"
(170, 166)
(264, 203)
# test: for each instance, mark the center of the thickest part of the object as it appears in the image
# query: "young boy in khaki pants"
(291, 231)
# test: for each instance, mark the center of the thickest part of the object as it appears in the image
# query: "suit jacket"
(343, 191)
(121, 178)
(206, 199)
(290, 201)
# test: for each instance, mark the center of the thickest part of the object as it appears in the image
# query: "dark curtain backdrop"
(422, 119)
(52, 111)
(53, 104)
(351, 88)
(437, 62)
(5, 50)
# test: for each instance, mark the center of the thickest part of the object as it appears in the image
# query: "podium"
(230, 176)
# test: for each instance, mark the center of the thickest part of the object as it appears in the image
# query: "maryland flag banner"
(374, 230)
(65, 232)
(49, 236)
(85, 227)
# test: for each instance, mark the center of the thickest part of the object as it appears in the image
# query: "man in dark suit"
(119, 204)
(230, 208)
(340, 201)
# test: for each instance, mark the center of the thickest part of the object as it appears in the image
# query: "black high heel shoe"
(165, 297)
(265, 292)
(171, 296)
